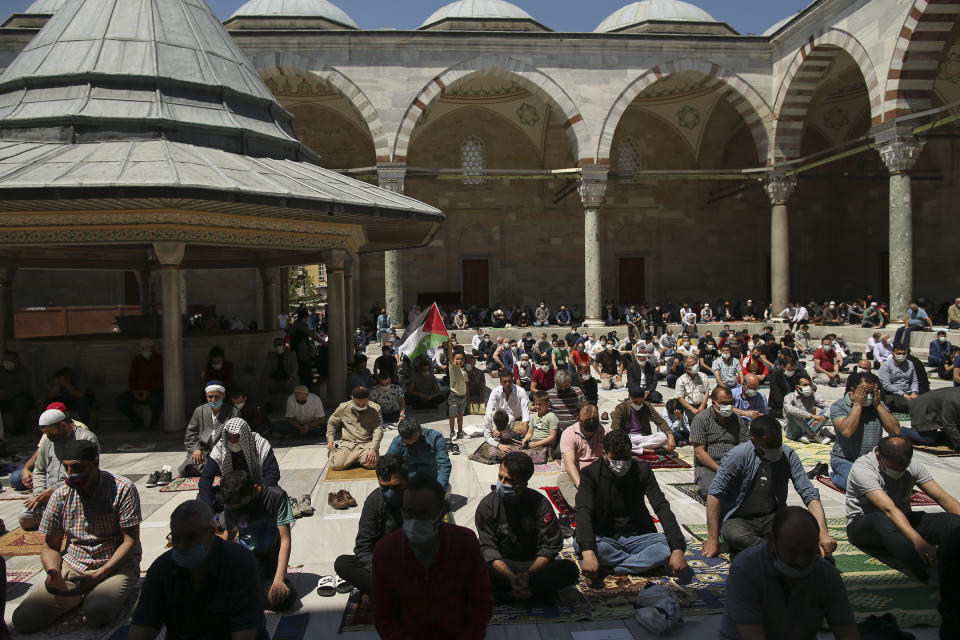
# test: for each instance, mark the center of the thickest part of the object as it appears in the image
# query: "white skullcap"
(873, 304)
(215, 385)
(51, 417)
(301, 388)
(235, 426)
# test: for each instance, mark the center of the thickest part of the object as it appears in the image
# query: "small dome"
(776, 27)
(647, 10)
(45, 6)
(294, 9)
(477, 10)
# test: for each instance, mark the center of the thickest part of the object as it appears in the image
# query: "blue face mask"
(506, 491)
(216, 404)
(190, 557)
(393, 497)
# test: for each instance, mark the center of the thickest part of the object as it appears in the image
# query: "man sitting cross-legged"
(242, 450)
(634, 416)
(201, 588)
(807, 415)
(362, 431)
(781, 588)
(380, 516)
(205, 427)
(614, 528)
(580, 446)
(259, 518)
(713, 432)
(520, 537)
(879, 517)
(425, 451)
(751, 487)
(98, 514)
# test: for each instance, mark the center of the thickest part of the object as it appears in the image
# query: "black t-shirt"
(760, 499)
(528, 344)
(259, 526)
(571, 339)
(771, 350)
(609, 362)
(709, 355)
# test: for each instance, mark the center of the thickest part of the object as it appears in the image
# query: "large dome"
(294, 9)
(478, 11)
(657, 10)
(45, 6)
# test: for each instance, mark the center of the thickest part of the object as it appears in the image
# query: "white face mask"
(358, 407)
(826, 347)
(806, 390)
(146, 353)
(789, 372)
(9, 366)
(544, 368)
(862, 370)
(278, 350)
(235, 447)
(637, 406)
(899, 357)
(751, 392)
(619, 468)
(419, 532)
(724, 410)
(239, 405)
(216, 365)
(942, 338)
(725, 356)
(468, 367)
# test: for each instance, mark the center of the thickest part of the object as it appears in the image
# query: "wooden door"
(476, 282)
(632, 278)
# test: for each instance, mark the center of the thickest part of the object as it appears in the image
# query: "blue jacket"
(428, 455)
(938, 352)
(738, 468)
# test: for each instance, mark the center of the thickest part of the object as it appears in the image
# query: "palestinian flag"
(424, 333)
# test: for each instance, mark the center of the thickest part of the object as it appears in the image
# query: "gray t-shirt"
(866, 476)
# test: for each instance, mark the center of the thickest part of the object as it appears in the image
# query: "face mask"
(806, 390)
(862, 370)
(304, 401)
(868, 399)
(833, 306)
(393, 497)
(239, 405)
(358, 407)
(585, 376)
(513, 348)
(899, 357)
(215, 404)
(826, 348)
(468, 367)
(609, 347)
(751, 393)
(692, 371)
(772, 455)
(545, 368)
(789, 372)
(419, 532)
(507, 491)
(725, 356)
(279, 350)
(893, 475)
(190, 557)
(619, 468)
(724, 410)
(941, 338)
(590, 425)
(75, 480)
(235, 447)
(9, 366)
(637, 406)
(487, 340)
(216, 365)
(146, 353)
(790, 572)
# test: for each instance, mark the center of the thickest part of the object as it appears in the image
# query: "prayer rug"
(136, 447)
(549, 468)
(917, 498)
(354, 473)
(873, 587)
(657, 461)
(182, 483)
(810, 454)
(689, 489)
(21, 575)
(278, 628)
(21, 543)
(486, 454)
(941, 451)
(559, 503)
(12, 494)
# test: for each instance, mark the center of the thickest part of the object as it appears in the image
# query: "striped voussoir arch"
(913, 68)
(501, 66)
(743, 97)
(336, 79)
(807, 69)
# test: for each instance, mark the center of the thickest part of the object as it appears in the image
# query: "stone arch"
(738, 92)
(336, 79)
(806, 70)
(506, 67)
(916, 56)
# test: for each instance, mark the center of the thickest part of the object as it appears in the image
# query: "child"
(674, 415)
(457, 400)
(542, 430)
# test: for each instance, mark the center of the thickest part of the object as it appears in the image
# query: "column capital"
(899, 153)
(169, 253)
(779, 186)
(593, 185)
(392, 175)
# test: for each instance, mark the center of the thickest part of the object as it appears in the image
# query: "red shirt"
(146, 375)
(544, 381)
(578, 356)
(451, 599)
(825, 361)
(754, 365)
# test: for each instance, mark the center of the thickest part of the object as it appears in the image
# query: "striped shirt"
(566, 405)
(93, 526)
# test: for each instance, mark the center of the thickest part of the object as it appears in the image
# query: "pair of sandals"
(332, 585)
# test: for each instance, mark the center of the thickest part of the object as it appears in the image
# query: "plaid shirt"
(93, 526)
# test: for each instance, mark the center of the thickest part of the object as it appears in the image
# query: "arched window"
(629, 159)
(473, 159)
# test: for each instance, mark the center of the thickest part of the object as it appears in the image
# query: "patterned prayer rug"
(811, 454)
(873, 587)
(559, 503)
(355, 473)
(486, 454)
(182, 483)
(21, 543)
(941, 451)
(689, 489)
(657, 461)
(12, 494)
(21, 575)
(917, 498)
(551, 468)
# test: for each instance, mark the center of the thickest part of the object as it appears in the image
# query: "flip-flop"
(343, 586)
(327, 587)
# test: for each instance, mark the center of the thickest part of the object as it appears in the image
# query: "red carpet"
(917, 498)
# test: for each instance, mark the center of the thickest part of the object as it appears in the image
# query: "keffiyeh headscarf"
(255, 449)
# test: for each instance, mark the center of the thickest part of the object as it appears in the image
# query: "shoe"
(152, 479)
(822, 439)
(295, 507)
(834, 383)
(335, 501)
(166, 476)
(827, 433)
(461, 435)
(348, 499)
(342, 586)
(804, 439)
(819, 469)
(306, 508)
(454, 448)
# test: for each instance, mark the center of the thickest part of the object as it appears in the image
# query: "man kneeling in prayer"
(782, 588)
(520, 537)
(614, 529)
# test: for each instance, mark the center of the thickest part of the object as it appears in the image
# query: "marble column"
(392, 176)
(779, 187)
(6, 306)
(268, 279)
(336, 327)
(170, 255)
(348, 308)
(593, 186)
(899, 153)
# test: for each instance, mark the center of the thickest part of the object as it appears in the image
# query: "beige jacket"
(361, 429)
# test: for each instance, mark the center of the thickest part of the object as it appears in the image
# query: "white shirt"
(307, 412)
(475, 341)
(516, 405)
(801, 314)
(882, 352)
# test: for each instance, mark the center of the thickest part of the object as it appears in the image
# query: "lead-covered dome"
(45, 6)
(34, 16)
(672, 16)
(481, 15)
(290, 13)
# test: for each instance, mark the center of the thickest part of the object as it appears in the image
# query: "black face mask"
(590, 425)
(301, 402)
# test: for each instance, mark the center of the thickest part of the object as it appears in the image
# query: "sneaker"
(822, 439)
(461, 435)
(295, 507)
(827, 433)
(455, 436)
(306, 508)
(166, 476)
(454, 448)
(152, 479)
(804, 439)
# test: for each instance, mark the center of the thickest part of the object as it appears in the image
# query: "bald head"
(588, 411)
(752, 380)
(796, 537)
(896, 452)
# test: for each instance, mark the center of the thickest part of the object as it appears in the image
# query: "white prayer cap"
(235, 426)
(215, 385)
(51, 417)
(873, 304)
(301, 388)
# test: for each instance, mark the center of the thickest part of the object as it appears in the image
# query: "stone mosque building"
(659, 154)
